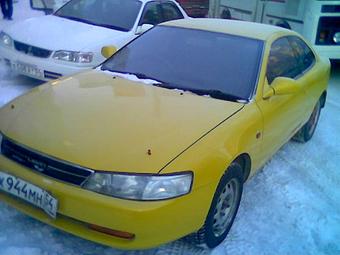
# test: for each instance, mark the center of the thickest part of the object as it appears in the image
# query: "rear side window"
(171, 12)
(304, 54)
(282, 61)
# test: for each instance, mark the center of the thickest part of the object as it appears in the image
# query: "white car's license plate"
(27, 69)
(29, 193)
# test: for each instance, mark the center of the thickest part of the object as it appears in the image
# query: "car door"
(283, 115)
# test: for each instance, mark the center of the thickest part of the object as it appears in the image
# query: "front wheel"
(307, 131)
(223, 208)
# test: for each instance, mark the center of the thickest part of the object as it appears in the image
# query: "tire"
(307, 131)
(217, 225)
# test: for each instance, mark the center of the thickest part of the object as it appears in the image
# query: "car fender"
(210, 156)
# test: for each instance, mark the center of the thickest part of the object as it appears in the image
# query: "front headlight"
(336, 38)
(141, 187)
(73, 56)
(5, 39)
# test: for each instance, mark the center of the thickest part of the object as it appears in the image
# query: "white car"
(71, 39)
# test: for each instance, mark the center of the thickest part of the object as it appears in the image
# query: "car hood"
(55, 33)
(111, 124)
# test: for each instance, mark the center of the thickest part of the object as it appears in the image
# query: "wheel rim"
(226, 207)
(313, 120)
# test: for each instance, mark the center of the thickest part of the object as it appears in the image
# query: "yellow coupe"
(156, 143)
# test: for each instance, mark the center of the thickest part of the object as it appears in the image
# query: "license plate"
(30, 193)
(27, 69)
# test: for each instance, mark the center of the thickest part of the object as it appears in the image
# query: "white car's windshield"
(116, 14)
(206, 63)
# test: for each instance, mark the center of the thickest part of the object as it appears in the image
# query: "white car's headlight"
(140, 187)
(73, 56)
(5, 39)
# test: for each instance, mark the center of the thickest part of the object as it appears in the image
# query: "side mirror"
(282, 86)
(285, 86)
(143, 28)
(43, 5)
(108, 51)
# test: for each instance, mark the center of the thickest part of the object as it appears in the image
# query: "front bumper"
(153, 223)
(42, 68)
(330, 52)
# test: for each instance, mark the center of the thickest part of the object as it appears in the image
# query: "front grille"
(44, 164)
(32, 50)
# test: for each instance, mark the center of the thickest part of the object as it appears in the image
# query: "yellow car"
(156, 143)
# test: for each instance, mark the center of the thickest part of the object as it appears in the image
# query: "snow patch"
(132, 77)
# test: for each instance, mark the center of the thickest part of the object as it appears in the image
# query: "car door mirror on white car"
(108, 51)
(285, 86)
(143, 28)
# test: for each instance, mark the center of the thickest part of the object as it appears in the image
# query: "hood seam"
(201, 137)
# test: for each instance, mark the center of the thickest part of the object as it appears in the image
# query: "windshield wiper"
(201, 92)
(144, 76)
(93, 23)
(207, 92)
(141, 76)
(218, 95)
(138, 75)
(75, 19)
(111, 27)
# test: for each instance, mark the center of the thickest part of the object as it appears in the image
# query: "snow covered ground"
(292, 206)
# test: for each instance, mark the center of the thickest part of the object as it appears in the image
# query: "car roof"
(235, 27)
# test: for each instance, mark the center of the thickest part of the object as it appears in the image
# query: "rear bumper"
(153, 223)
(48, 67)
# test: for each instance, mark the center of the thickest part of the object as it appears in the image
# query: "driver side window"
(282, 61)
(151, 14)
(171, 12)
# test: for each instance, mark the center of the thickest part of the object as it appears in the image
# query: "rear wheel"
(307, 131)
(223, 208)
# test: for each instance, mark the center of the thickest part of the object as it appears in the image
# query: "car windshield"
(220, 65)
(115, 14)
